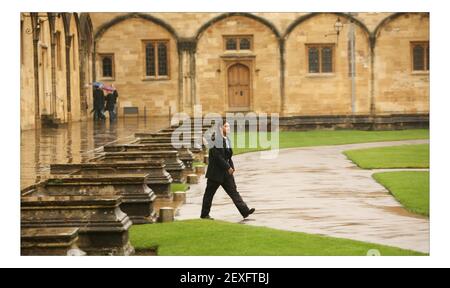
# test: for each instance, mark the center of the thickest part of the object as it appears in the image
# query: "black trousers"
(229, 185)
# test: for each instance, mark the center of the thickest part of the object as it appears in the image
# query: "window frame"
(144, 53)
(426, 64)
(238, 42)
(113, 64)
(320, 46)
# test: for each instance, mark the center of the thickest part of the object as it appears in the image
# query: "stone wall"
(50, 69)
(397, 87)
(125, 40)
(326, 93)
(213, 62)
(198, 63)
(27, 89)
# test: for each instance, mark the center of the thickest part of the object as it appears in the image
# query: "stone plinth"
(196, 149)
(194, 130)
(137, 197)
(50, 242)
(103, 227)
(200, 170)
(158, 179)
(173, 163)
(166, 214)
(184, 154)
(194, 143)
(179, 196)
(192, 179)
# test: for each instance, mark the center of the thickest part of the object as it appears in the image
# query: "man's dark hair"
(216, 136)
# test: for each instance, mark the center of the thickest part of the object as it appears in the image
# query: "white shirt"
(227, 143)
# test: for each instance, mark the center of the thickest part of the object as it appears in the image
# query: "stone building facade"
(295, 64)
(56, 60)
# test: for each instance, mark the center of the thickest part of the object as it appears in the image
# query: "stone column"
(282, 76)
(36, 33)
(372, 75)
(68, 78)
(158, 179)
(53, 64)
(186, 51)
(83, 93)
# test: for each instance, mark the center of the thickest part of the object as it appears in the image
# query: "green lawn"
(218, 238)
(290, 139)
(198, 164)
(174, 187)
(405, 156)
(410, 188)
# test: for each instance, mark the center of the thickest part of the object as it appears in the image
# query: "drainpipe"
(192, 78)
(94, 59)
(282, 76)
(82, 76)
(53, 68)
(68, 77)
(36, 33)
(351, 35)
(180, 80)
(372, 75)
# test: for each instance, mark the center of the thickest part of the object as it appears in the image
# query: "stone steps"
(89, 207)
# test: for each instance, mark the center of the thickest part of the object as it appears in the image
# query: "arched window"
(421, 57)
(320, 58)
(313, 56)
(156, 59)
(150, 60)
(327, 60)
(244, 44)
(238, 42)
(231, 44)
(162, 59)
(107, 66)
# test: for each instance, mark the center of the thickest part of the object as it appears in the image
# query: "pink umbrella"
(108, 88)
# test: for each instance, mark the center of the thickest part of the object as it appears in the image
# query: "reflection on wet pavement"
(317, 190)
(75, 143)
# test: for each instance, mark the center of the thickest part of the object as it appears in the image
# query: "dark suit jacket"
(219, 163)
(99, 99)
(110, 101)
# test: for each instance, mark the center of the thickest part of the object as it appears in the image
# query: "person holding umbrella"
(111, 99)
(99, 101)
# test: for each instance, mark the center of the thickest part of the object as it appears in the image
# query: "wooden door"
(239, 86)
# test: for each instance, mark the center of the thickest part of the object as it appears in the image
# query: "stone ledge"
(103, 227)
(49, 241)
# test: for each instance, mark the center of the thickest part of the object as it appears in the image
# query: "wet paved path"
(75, 143)
(317, 190)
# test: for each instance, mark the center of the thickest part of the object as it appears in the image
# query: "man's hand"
(230, 171)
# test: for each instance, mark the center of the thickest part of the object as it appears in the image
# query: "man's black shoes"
(250, 212)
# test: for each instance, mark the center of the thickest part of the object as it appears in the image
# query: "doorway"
(239, 87)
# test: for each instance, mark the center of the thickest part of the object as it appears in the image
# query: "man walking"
(220, 173)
